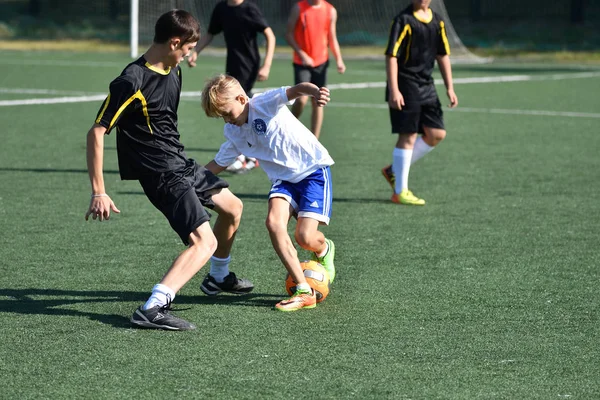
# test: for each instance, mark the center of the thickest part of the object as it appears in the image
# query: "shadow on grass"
(187, 149)
(56, 302)
(243, 196)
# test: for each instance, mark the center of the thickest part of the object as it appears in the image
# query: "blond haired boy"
(296, 163)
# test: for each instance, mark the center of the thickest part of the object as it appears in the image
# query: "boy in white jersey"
(296, 163)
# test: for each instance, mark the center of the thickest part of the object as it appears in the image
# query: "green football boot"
(327, 260)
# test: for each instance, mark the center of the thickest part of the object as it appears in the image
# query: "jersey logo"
(259, 126)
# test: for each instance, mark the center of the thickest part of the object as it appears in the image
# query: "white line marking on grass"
(545, 113)
(53, 100)
(40, 91)
(336, 86)
(65, 63)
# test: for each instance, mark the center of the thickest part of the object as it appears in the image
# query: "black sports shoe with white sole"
(160, 317)
(231, 284)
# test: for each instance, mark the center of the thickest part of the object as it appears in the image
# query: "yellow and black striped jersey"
(416, 42)
(142, 105)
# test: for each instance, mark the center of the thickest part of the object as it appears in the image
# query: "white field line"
(100, 97)
(41, 91)
(53, 100)
(459, 81)
(363, 85)
(65, 63)
(545, 113)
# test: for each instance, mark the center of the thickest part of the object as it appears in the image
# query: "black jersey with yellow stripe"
(416, 42)
(142, 106)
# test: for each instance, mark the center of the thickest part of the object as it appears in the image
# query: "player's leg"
(220, 278)
(203, 244)
(314, 209)
(301, 74)
(177, 200)
(319, 78)
(434, 132)
(281, 208)
(316, 118)
(247, 79)
(405, 123)
(155, 313)
(402, 158)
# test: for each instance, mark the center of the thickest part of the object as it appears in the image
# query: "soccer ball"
(316, 276)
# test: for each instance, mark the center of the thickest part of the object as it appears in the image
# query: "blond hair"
(217, 92)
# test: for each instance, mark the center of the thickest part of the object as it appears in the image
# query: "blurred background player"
(142, 105)
(417, 39)
(311, 30)
(240, 21)
(296, 163)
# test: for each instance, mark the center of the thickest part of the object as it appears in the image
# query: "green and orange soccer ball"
(316, 276)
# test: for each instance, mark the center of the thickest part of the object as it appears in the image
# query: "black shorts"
(181, 196)
(412, 118)
(245, 76)
(246, 80)
(315, 75)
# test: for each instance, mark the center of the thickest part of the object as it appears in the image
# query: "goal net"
(364, 24)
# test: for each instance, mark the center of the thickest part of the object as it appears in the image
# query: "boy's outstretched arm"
(321, 95)
(265, 69)
(215, 168)
(446, 70)
(334, 44)
(100, 204)
(289, 36)
(193, 56)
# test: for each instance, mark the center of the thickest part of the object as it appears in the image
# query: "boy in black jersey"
(142, 107)
(417, 39)
(240, 21)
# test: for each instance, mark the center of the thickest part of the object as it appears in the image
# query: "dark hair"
(177, 23)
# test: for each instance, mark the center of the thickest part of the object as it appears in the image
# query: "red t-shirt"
(312, 31)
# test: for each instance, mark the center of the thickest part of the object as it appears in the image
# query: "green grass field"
(490, 291)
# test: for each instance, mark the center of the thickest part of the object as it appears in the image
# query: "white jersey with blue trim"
(286, 149)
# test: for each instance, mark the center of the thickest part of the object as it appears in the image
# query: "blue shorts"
(310, 198)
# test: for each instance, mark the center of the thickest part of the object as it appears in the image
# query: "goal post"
(459, 52)
(360, 23)
(134, 27)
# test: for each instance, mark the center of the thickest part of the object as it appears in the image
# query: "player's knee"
(204, 242)
(434, 136)
(274, 225)
(303, 238)
(237, 207)
(439, 135)
(301, 101)
(233, 211)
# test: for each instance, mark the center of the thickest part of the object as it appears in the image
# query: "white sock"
(303, 287)
(421, 148)
(219, 268)
(324, 251)
(401, 167)
(159, 296)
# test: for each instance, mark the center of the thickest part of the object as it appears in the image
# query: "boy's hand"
(322, 97)
(100, 207)
(452, 97)
(341, 67)
(307, 60)
(263, 73)
(191, 59)
(396, 100)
